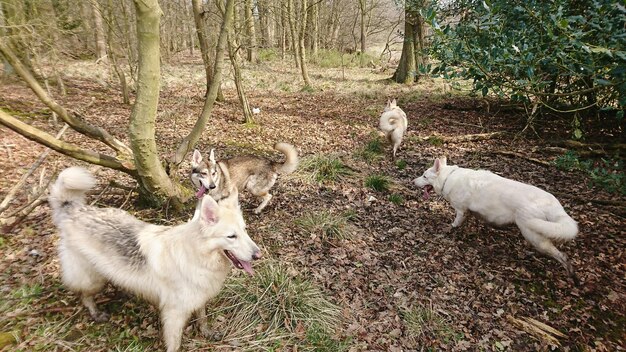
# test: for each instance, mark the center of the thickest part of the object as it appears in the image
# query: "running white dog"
(177, 268)
(393, 123)
(500, 201)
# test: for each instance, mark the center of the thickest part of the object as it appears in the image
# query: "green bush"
(561, 54)
(608, 174)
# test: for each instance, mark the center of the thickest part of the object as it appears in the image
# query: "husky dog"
(393, 123)
(500, 201)
(177, 268)
(256, 174)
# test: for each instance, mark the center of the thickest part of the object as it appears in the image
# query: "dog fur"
(393, 123)
(500, 201)
(253, 173)
(177, 268)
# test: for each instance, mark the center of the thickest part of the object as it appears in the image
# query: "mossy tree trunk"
(155, 184)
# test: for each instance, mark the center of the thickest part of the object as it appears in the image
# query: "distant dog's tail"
(291, 163)
(391, 121)
(561, 228)
(70, 188)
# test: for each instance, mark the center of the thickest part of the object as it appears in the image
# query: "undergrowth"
(608, 174)
(323, 169)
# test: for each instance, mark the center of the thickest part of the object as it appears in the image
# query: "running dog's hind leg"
(544, 246)
(266, 199)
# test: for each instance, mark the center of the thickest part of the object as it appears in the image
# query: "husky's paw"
(211, 335)
(100, 317)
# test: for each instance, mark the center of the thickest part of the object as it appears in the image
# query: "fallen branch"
(537, 329)
(11, 194)
(521, 156)
(592, 149)
(463, 138)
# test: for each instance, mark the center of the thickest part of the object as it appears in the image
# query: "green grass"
(401, 164)
(424, 325)
(274, 306)
(336, 59)
(378, 183)
(374, 149)
(323, 169)
(396, 199)
(324, 224)
(267, 54)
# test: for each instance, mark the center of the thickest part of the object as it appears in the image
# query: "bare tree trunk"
(291, 14)
(314, 28)
(250, 32)
(284, 22)
(301, 47)
(407, 68)
(243, 100)
(362, 5)
(154, 181)
(101, 47)
(192, 138)
(209, 65)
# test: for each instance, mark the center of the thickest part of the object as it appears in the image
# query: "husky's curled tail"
(69, 190)
(291, 154)
(393, 123)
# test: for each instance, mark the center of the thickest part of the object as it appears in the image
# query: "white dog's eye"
(234, 235)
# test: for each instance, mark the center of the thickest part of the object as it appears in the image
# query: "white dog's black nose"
(257, 255)
(211, 186)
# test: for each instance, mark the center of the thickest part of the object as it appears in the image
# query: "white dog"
(393, 123)
(177, 268)
(500, 201)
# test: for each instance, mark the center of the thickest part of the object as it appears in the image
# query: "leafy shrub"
(605, 173)
(536, 51)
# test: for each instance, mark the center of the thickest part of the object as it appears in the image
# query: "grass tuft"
(324, 224)
(396, 199)
(401, 164)
(274, 306)
(378, 183)
(424, 324)
(323, 169)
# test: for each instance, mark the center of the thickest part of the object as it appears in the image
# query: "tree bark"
(407, 69)
(301, 47)
(362, 5)
(291, 14)
(203, 39)
(101, 48)
(250, 32)
(65, 148)
(315, 28)
(243, 100)
(75, 122)
(192, 138)
(153, 180)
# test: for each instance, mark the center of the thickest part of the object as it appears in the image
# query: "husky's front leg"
(173, 321)
(460, 217)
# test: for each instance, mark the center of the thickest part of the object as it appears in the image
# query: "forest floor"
(400, 281)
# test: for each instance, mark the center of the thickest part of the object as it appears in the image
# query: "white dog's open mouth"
(201, 191)
(427, 190)
(240, 264)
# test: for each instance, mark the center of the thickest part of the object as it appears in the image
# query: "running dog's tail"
(560, 228)
(391, 121)
(70, 188)
(291, 163)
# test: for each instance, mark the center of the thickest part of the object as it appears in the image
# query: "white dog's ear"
(394, 102)
(437, 165)
(196, 159)
(208, 210)
(444, 161)
(388, 102)
(212, 156)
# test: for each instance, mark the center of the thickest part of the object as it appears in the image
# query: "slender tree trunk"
(291, 14)
(243, 100)
(283, 30)
(250, 32)
(192, 138)
(315, 28)
(362, 5)
(301, 47)
(101, 47)
(154, 181)
(203, 39)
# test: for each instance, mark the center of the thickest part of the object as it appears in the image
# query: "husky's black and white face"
(205, 176)
(430, 177)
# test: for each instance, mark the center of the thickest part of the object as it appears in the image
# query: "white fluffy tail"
(291, 164)
(392, 120)
(70, 188)
(562, 228)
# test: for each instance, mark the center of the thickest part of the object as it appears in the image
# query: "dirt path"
(396, 265)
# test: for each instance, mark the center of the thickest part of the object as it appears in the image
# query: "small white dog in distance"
(177, 268)
(393, 123)
(500, 201)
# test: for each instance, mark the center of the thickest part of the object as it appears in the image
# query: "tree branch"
(65, 148)
(77, 123)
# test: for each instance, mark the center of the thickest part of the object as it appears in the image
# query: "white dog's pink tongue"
(247, 267)
(201, 192)
(426, 194)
